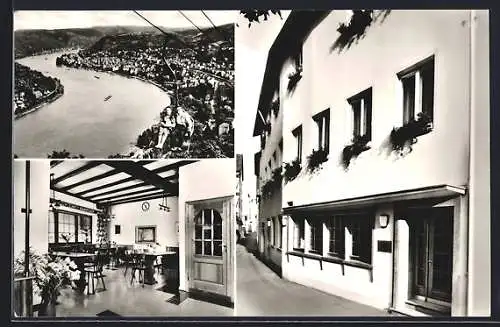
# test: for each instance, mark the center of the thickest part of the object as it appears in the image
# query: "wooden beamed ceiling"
(165, 186)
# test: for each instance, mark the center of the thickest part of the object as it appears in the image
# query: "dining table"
(149, 260)
(79, 258)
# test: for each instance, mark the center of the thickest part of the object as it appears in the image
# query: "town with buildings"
(373, 171)
(199, 78)
(32, 89)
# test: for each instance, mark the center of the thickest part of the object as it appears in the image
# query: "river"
(81, 121)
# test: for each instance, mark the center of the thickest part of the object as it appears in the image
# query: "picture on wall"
(145, 234)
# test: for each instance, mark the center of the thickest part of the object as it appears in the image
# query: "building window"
(432, 259)
(297, 133)
(336, 238)
(298, 234)
(316, 227)
(52, 227)
(277, 228)
(67, 227)
(270, 231)
(361, 105)
(118, 229)
(208, 233)
(418, 90)
(361, 232)
(323, 123)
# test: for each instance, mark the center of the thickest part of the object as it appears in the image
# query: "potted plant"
(358, 145)
(51, 275)
(406, 135)
(291, 170)
(275, 106)
(315, 159)
(294, 78)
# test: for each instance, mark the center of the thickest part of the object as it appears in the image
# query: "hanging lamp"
(163, 206)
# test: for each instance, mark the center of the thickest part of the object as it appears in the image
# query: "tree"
(253, 15)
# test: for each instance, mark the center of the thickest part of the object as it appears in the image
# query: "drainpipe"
(393, 282)
(27, 211)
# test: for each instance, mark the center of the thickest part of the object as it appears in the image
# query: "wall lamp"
(383, 220)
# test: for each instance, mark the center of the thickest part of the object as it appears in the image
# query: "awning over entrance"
(439, 191)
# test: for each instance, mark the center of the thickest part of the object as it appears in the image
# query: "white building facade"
(393, 207)
(268, 170)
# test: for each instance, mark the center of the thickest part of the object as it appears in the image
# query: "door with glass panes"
(210, 235)
(432, 258)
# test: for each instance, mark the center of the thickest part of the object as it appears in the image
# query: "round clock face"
(145, 206)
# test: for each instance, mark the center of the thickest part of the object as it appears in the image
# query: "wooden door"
(210, 253)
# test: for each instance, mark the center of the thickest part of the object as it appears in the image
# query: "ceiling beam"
(71, 194)
(127, 194)
(137, 198)
(130, 187)
(141, 173)
(92, 179)
(171, 166)
(54, 163)
(85, 167)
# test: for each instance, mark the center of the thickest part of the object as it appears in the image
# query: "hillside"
(30, 42)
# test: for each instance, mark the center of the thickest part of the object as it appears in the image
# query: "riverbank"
(39, 106)
(30, 81)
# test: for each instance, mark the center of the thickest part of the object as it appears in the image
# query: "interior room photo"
(123, 238)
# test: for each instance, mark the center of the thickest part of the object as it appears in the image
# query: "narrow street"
(260, 292)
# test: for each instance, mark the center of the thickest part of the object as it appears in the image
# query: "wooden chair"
(128, 261)
(138, 265)
(94, 272)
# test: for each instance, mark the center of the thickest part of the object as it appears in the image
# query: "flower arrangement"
(294, 78)
(51, 274)
(291, 170)
(275, 106)
(315, 159)
(406, 135)
(357, 146)
(66, 237)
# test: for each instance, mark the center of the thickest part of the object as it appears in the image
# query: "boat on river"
(96, 77)
(107, 98)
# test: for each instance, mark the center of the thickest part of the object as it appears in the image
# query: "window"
(277, 232)
(145, 234)
(118, 229)
(297, 133)
(361, 232)
(316, 227)
(418, 90)
(208, 233)
(323, 122)
(68, 227)
(361, 105)
(84, 229)
(52, 227)
(298, 235)
(336, 238)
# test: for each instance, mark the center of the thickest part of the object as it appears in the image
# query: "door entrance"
(210, 236)
(432, 259)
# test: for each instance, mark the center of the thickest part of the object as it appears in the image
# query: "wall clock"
(145, 206)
